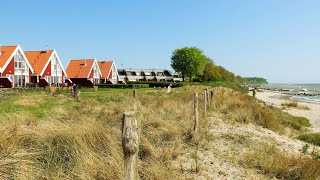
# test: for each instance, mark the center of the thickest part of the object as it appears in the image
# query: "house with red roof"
(109, 72)
(48, 70)
(84, 72)
(15, 69)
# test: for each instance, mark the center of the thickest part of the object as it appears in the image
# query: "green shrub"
(234, 86)
(313, 138)
(158, 84)
(123, 86)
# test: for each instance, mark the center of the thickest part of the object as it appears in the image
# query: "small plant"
(290, 104)
(294, 104)
(304, 149)
(313, 138)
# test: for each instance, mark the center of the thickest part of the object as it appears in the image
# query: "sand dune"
(276, 99)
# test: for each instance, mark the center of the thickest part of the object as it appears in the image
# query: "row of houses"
(43, 68)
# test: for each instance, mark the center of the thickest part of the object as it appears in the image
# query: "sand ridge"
(275, 98)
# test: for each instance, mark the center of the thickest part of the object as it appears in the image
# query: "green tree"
(189, 61)
(211, 72)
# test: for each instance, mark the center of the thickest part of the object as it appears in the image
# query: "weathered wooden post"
(130, 145)
(134, 93)
(196, 114)
(208, 97)
(205, 102)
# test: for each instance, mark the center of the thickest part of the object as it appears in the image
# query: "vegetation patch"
(281, 165)
(297, 123)
(294, 104)
(313, 138)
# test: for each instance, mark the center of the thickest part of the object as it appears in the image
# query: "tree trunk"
(190, 77)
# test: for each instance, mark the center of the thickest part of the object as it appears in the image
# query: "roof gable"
(38, 60)
(80, 68)
(105, 67)
(58, 59)
(6, 52)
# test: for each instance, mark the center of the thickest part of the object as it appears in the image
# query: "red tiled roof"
(6, 52)
(38, 59)
(78, 69)
(105, 67)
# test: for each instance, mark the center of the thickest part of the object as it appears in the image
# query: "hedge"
(158, 84)
(123, 86)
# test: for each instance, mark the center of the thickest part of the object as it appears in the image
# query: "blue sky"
(275, 39)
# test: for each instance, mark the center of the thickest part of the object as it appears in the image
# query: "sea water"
(296, 88)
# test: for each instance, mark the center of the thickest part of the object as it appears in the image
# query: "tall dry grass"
(82, 140)
(282, 165)
(57, 137)
(239, 107)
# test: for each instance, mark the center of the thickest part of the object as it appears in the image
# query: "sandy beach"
(276, 99)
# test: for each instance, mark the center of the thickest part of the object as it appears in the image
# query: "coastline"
(277, 98)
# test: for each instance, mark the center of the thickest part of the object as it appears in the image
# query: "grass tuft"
(313, 138)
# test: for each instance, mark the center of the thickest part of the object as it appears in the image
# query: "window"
(10, 77)
(21, 71)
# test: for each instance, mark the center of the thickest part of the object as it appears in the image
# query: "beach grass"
(297, 123)
(294, 104)
(56, 137)
(240, 107)
(312, 138)
(270, 160)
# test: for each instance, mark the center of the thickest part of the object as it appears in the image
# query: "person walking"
(74, 90)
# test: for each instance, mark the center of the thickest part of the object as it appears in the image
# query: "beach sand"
(276, 99)
(232, 142)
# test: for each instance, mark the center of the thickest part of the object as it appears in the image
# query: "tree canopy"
(220, 74)
(255, 80)
(188, 61)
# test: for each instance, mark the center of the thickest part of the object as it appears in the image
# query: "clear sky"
(275, 39)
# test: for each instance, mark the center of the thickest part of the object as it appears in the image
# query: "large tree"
(188, 61)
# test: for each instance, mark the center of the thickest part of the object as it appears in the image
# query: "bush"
(290, 104)
(234, 86)
(123, 86)
(158, 84)
(313, 138)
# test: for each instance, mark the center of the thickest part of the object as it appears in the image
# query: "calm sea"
(296, 88)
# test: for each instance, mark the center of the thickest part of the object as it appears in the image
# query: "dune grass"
(44, 136)
(294, 104)
(56, 137)
(313, 138)
(281, 165)
(240, 107)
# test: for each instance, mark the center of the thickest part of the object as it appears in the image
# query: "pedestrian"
(169, 89)
(254, 91)
(74, 90)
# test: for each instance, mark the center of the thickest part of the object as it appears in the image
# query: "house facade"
(48, 69)
(15, 69)
(84, 72)
(159, 75)
(109, 72)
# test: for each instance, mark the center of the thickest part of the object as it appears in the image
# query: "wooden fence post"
(130, 145)
(205, 102)
(208, 97)
(134, 93)
(196, 114)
